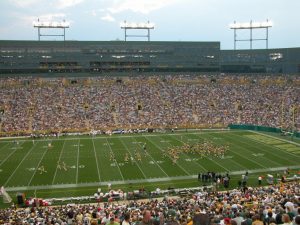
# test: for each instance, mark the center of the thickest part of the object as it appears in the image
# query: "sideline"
(102, 136)
(58, 186)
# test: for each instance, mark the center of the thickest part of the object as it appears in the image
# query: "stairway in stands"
(115, 117)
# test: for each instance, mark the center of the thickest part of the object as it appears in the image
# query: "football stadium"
(148, 132)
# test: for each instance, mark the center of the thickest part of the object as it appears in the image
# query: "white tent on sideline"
(6, 197)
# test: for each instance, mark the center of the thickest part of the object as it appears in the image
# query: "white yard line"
(6, 158)
(233, 161)
(169, 157)
(77, 161)
(115, 159)
(248, 157)
(259, 142)
(38, 165)
(198, 163)
(244, 157)
(153, 160)
(96, 158)
(4, 146)
(215, 161)
(274, 146)
(262, 150)
(131, 156)
(59, 158)
(277, 138)
(13, 173)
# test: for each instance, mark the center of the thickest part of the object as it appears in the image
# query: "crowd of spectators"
(59, 104)
(269, 205)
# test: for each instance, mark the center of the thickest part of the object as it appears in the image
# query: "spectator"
(126, 220)
(286, 219)
(112, 221)
(147, 220)
(297, 220)
(200, 217)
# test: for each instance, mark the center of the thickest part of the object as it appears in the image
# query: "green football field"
(84, 161)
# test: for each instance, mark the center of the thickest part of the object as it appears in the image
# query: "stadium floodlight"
(250, 26)
(133, 25)
(51, 25)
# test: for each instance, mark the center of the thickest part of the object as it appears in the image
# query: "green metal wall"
(259, 128)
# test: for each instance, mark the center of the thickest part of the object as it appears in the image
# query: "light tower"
(250, 26)
(137, 26)
(51, 25)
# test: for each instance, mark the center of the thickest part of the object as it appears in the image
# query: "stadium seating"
(59, 105)
(271, 203)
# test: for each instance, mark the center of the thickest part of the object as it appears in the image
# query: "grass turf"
(86, 161)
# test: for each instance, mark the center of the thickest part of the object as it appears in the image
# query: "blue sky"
(175, 20)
